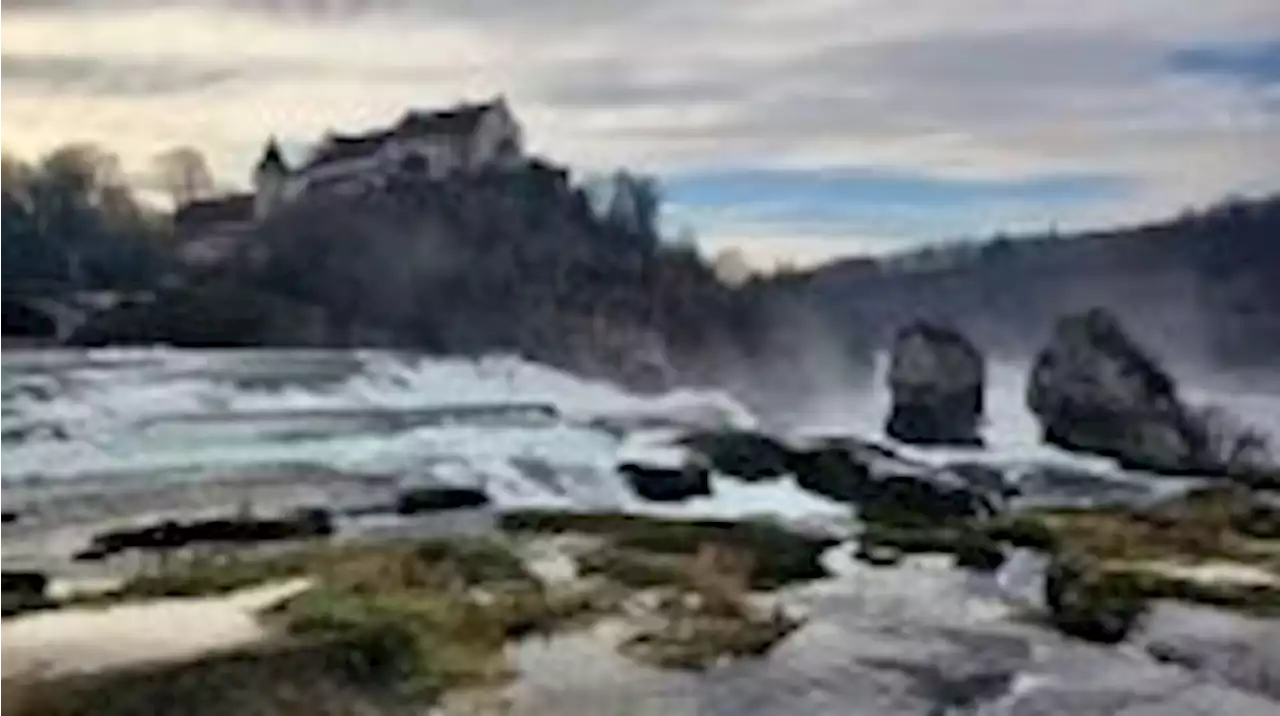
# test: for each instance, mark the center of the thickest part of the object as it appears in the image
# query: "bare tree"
(184, 174)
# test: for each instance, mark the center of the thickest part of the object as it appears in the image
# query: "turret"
(269, 177)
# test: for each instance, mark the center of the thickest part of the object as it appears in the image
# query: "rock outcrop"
(893, 491)
(1093, 389)
(433, 499)
(667, 483)
(23, 591)
(172, 534)
(936, 377)
(743, 454)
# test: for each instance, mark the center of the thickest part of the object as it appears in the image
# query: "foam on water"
(162, 412)
(108, 417)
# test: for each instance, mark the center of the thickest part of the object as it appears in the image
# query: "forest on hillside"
(1199, 287)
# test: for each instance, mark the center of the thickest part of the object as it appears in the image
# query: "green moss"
(1091, 605)
(636, 569)
(972, 548)
(779, 556)
(354, 673)
(1019, 531)
(699, 641)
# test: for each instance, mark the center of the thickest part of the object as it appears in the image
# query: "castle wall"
(496, 141)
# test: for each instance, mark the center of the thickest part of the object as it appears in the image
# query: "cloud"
(93, 76)
(1147, 105)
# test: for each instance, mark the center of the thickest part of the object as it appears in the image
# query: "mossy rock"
(972, 549)
(355, 673)
(697, 642)
(779, 556)
(637, 569)
(1019, 531)
(1090, 605)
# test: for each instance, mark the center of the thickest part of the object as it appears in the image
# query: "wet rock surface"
(172, 534)
(667, 484)
(24, 590)
(1240, 650)
(937, 380)
(434, 499)
(1094, 389)
(746, 455)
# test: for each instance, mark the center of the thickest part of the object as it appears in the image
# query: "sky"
(794, 130)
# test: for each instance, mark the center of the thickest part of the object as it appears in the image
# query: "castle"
(466, 139)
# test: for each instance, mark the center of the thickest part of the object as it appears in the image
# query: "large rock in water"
(936, 377)
(1095, 390)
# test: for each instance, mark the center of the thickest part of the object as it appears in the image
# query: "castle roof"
(337, 147)
(198, 215)
(459, 122)
(271, 157)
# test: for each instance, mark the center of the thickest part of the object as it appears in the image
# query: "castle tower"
(269, 177)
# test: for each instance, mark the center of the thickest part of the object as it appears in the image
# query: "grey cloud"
(91, 75)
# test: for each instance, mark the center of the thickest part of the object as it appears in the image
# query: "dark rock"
(1089, 605)
(878, 555)
(23, 582)
(746, 455)
(830, 471)
(23, 590)
(834, 472)
(919, 498)
(984, 478)
(171, 534)
(667, 484)
(434, 499)
(1095, 390)
(8, 517)
(978, 554)
(937, 378)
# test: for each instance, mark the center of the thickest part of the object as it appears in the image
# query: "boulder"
(899, 495)
(988, 479)
(1086, 604)
(830, 470)
(663, 483)
(1095, 390)
(433, 499)
(746, 455)
(936, 377)
(23, 591)
(917, 498)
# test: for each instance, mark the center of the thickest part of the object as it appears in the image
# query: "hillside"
(1199, 288)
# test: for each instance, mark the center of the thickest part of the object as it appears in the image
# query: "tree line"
(72, 220)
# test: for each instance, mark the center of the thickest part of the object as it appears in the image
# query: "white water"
(161, 415)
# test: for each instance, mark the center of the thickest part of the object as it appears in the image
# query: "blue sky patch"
(835, 202)
(1255, 63)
